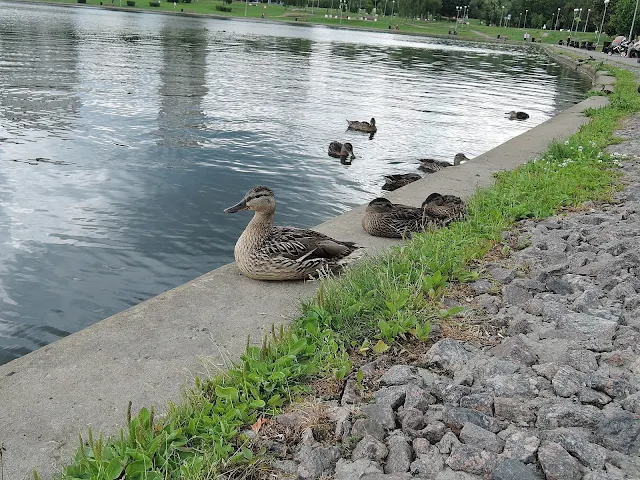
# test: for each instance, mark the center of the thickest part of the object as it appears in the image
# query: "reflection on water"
(123, 137)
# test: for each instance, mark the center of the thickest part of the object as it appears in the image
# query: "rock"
(339, 415)
(535, 306)
(400, 455)
(451, 393)
(481, 286)
(472, 460)
(589, 454)
(502, 275)
(349, 394)
(511, 469)
(448, 474)
(367, 426)
(559, 286)
(371, 448)
(449, 440)
(346, 470)
(618, 358)
(521, 446)
(450, 355)
(428, 464)
(516, 350)
(456, 417)
(434, 431)
(614, 387)
(589, 327)
(568, 414)
(582, 360)
(389, 476)
(632, 403)
(286, 466)
(568, 381)
(291, 419)
(546, 370)
(592, 397)
(621, 291)
(369, 369)
(515, 295)
(479, 437)
(512, 385)
(399, 375)
(557, 464)
(381, 414)
(514, 409)
(421, 445)
(488, 302)
(392, 396)
(621, 432)
(316, 461)
(412, 418)
(417, 398)
(481, 402)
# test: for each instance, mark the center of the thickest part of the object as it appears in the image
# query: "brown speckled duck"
(444, 207)
(395, 181)
(393, 220)
(513, 115)
(367, 127)
(341, 150)
(431, 165)
(265, 252)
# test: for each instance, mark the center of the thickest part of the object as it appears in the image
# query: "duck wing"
(302, 244)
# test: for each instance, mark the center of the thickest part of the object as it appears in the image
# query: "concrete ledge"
(148, 353)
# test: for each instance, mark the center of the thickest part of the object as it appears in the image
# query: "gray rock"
(488, 302)
(621, 432)
(614, 387)
(515, 295)
(481, 286)
(593, 332)
(455, 418)
(316, 461)
(417, 398)
(557, 464)
(349, 394)
(630, 465)
(479, 437)
(547, 370)
(393, 396)
(449, 440)
(381, 414)
(472, 460)
(291, 419)
(568, 414)
(346, 470)
(535, 306)
(516, 350)
(367, 426)
(512, 385)
(412, 418)
(399, 375)
(448, 474)
(434, 431)
(568, 381)
(582, 360)
(400, 455)
(369, 369)
(420, 446)
(481, 402)
(521, 446)
(621, 291)
(511, 469)
(387, 476)
(502, 275)
(515, 409)
(450, 355)
(632, 403)
(451, 393)
(593, 397)
(618, 358)
(587, 301)
(286, 466)
(428, 464)
(593, 456)
(559, 286)
(371, 448)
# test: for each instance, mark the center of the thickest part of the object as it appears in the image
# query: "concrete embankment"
(148, 353)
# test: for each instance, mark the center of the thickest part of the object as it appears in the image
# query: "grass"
(376, 303)
(475, 31)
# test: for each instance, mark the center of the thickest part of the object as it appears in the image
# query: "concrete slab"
(148, 353)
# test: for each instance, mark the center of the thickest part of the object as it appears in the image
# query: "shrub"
(220, 8)
(131, 3)
(154, 3)
(82, 1)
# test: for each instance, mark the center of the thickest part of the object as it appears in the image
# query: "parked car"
(634, 50)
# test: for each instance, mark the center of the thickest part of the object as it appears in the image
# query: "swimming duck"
(393, 182)
(393, 220)
(367, 127)
(431, 165)
(444, 207)
(513, 115)
(340, 150)
(265, 252)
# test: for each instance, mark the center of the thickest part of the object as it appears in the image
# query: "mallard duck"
(431, 165)
(513, 115)
(393, 182)
(393, 220)
(367, 127)
(265, 252)
(341, 150)
(444, 207)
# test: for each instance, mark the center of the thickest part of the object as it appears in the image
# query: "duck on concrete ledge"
(431, 165)
(265, 252)
(367, 127)
(513, 115)
(398, 180)
(444, 207)
(341, 150)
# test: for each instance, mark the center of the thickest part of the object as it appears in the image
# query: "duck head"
(347, 150)
(260, 199)
(380, 205)
(460, 157)
(372, 122)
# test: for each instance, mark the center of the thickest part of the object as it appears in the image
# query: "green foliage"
(620, 22)
(131, 3)
(221, 8)
(154, 3)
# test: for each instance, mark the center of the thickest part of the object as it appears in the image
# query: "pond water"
(123, 136)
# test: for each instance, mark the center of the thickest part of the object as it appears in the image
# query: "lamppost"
(586, 21)
(579, 19)
(552, 16)
(245, 7)
(502, 15)
(557, 18)
(606, 2)
(633, 22)
(525, 19)
(342, 3)
(575, 10)
(519, 18)
(458, 8)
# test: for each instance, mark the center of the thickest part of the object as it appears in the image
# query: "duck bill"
(242, 205)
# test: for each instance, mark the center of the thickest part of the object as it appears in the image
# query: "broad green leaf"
(114, 469)
(380, 347)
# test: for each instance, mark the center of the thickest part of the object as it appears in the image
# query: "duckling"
(431, 165)
(265, 252)
(513, 115)
(393, 182)
(340, 150)
(444, 207)
(367, 127)
(392, 220)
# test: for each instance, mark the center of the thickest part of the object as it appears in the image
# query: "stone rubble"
(558, 398)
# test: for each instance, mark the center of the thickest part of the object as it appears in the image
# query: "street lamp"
(519, 18)
(393, 7)
(633, 22)
(552, 16)
(502, 16)
(557, 18)
(586, 21)
(579, 19)
(606, 2)
(575, 10)
(525, 18)
(245, 7)
(342, 3)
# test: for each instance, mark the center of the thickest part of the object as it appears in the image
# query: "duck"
(395, 181)
(266, 252)
(393, 220)
(444, 207)
(513, 115)
(431, 165)
(341, 150)
(367, 127)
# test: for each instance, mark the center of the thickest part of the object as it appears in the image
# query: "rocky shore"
(554, 393)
